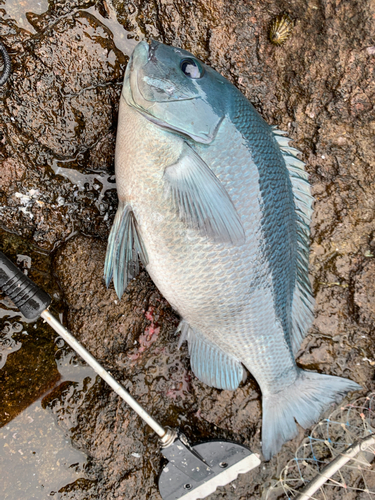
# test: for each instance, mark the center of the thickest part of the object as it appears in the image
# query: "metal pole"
(334, 466)
(68, 337)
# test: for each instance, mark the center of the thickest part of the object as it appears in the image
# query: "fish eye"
(191, 68)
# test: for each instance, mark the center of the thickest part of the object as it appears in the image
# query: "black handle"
(29, 299)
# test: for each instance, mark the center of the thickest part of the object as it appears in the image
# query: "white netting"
(329, 439)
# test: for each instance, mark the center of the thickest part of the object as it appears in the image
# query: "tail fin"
(304, 401)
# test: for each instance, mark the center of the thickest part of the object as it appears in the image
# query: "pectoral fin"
(124, 246)
(201, 200)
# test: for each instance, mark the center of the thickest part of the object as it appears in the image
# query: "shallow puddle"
(17, 11)
(36, 456)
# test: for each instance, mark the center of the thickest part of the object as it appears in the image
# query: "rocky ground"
(59, 111)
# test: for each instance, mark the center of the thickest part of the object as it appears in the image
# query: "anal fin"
(213, 366)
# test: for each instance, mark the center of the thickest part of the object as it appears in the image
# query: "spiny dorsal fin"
(303, 301)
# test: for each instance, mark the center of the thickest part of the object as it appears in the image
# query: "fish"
(217, 206)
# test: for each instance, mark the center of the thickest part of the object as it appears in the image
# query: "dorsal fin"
(303, 301)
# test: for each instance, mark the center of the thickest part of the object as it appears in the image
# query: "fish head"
(176, 91)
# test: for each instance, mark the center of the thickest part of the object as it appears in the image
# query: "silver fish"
(217, 206)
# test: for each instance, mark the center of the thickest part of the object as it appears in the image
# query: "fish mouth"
(145, 52)
(130, 91)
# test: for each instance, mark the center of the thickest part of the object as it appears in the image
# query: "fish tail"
(304, 401)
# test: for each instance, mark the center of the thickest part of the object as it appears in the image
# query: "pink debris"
(149, 315)
(149, 336)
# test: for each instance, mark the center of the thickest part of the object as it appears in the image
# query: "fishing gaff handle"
(33, 302)
(29, 299)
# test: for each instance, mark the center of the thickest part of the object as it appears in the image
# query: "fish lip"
(139, 48)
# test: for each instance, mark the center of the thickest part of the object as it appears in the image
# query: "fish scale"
(218, 207)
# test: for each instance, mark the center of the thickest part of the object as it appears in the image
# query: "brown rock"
(10, 171)
(364, 295)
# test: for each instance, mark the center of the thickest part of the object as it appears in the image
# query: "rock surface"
(59, 111)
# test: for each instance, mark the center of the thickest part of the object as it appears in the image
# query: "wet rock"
(364, 295)
(62, 97)
(66, 106)
(11, 171)
(60, 112)
(61, 106)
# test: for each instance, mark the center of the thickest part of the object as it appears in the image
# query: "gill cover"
(175, 90)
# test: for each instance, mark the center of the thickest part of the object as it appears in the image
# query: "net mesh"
(328, 440)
